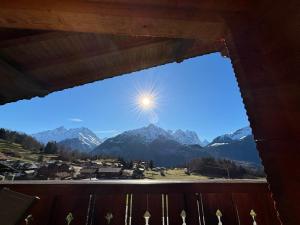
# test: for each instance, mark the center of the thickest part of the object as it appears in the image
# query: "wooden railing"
(87, 203)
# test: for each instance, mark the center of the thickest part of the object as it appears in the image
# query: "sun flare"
(146, 102)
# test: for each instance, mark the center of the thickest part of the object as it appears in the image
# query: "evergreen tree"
(151, 164)
(51, 148)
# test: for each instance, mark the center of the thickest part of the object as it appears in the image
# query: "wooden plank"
(110, 197)
(128, 19)
(96, 51)
(220, 5)
(63, 205)
(15, 83)
(41, 210)
(97, 67)
(182, 48)
(259, 202)
(109, 203)
(219, 201)
(33, 38)
(49, 73)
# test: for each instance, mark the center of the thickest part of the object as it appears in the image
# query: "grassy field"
(17, 152)
(172, 174)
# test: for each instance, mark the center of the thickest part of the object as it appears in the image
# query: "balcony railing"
(213, 202)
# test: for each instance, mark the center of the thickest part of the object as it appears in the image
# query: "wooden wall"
(264, 48)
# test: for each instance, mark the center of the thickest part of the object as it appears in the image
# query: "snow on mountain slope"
(149, 133)
(231, 137)
(186, 137)
(152, 132)
(241, 133)
(164, 147)
(86, 136)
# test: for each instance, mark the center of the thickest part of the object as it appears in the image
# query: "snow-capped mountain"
(168, 148)
(152, 132)
(149, 133)
(241, 133)
(186, 137)
(82, 135)
(231, 137)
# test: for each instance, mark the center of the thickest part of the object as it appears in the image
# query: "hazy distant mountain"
(169, 148)
(81, 139)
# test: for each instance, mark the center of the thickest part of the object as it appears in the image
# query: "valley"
(146, 153)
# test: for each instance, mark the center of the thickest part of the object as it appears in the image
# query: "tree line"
(212, 167)
(26, 141)
(31, 144)
(64, 153)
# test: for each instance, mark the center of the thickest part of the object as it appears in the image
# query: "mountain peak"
(167, 149)
(179, 131)
(187, 137)
(151, 125)
(61, 128)
(152, 132)
(231, 137)
(82, 134)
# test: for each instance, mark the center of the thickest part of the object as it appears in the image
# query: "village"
(55, 169)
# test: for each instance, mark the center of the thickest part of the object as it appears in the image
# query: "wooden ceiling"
(35, 63)
(51, 45)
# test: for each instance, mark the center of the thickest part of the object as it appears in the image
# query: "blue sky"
(199, 94)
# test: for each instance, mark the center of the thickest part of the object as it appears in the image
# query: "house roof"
(109, 170)
(6, 168)
(88, 170)
(3, 157)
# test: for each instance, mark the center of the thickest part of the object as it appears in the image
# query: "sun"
(146, 102)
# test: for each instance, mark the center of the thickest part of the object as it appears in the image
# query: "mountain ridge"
(151, 132)
(165, 151)
(231, 137)
(165, 147)
(82, 139)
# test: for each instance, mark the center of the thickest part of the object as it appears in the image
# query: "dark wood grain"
(234, 199)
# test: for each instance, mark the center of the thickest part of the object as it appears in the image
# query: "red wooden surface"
(90, 202)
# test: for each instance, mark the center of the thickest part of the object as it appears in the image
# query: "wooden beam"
(32, 38)
(130, 55)
(93, 51)
(143, 58)
(15, 83)
(220, 5)
(174, 21)
(182, 48)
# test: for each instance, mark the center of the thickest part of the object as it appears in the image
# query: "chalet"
(87, 172)
(109, 172)
(51, 171)
(9, 173)
(127, 174)
(48, 46)
(7, 169)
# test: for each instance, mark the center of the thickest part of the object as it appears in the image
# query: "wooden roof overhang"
(96, 39)
(114, 37)
(35, 63)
